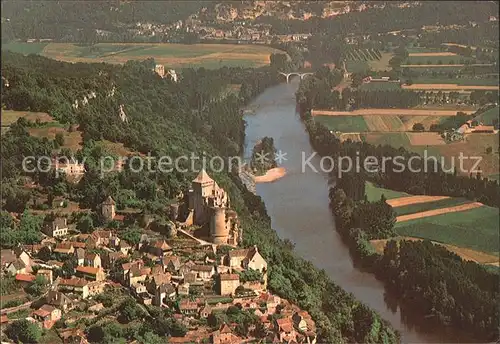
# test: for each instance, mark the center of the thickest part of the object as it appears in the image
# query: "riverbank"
(271, 175)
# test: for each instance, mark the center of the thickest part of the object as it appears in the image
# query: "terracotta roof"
(188, 305)
(74, 282)
(64, 246)
(484, 128)
(77, 244)
(285, 324)
(225, 329)
(88, 270)
(202, 177)
(162, 244)
(25, 277)
(41, 313)
(91, 256)
(119, 217)
(4, 319)
(229, 277)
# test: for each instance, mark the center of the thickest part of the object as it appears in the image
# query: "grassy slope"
(373, 193)
(489, 116)
(343, 123)
(476, 229)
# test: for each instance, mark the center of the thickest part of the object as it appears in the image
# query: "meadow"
(470, 81)
(374, 193)
(380, 86)
(436, 59)
(439, 204)
(476, 229)
(344, 123)
(490, 117)
(170, 54)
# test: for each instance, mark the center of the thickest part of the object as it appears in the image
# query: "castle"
(209, 204)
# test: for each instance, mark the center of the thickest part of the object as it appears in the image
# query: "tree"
(23, 331)
(59, 140)
(130, 310)
(85, 224)
(131, 235)
(357, 79)
(38, 286)
(418, 127)
(489, 149)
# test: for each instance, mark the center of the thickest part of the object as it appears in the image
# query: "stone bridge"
(301, 75)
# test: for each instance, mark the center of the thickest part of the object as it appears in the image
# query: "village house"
(284, 328)
(171, 263)
(203, 272)
(59, 300)
(56, 228)
(138, 289)
(9, 256)
(25, 279)
(247, 259)
(48, 315)
(228, 284)
(79, 286)
(93, 260)
(164, 292)
(159, 248)
(137, 275)
(91, 273)
(96, 287)
(188, 308)
(153, 282)
(224, 335)
(109, 258)
(16, 267)
(64, 248)
(98, 238)
(80, 256)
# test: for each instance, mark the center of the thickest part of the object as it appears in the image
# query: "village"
(194, 276)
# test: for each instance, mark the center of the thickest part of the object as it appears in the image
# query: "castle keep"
(209, 204)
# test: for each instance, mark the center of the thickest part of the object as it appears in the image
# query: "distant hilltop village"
(210, 204)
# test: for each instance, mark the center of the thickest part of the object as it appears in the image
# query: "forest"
(164, 118)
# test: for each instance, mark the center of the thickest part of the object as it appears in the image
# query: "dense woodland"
(164, 118)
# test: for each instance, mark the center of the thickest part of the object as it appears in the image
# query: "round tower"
(218, 229)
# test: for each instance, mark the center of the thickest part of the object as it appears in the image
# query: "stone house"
(228, 284)
(171, 263)
(48, 315)
(108, 209)
(203, 272)
(247, 259)
(153, 282)
(299, 320)
(80, 256)
(96, 288)
(164, 292)
(91, 273)
(76, 285)
(24, 279)
(16, 267)
(284, 328)
(59, 300)
(188, 308)
(93, 260)
(224, 335)
(64, 248)
(56, 228)
(205, 311)
(138, 289)
(159, 248)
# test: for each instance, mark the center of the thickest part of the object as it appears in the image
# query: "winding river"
(298, 207)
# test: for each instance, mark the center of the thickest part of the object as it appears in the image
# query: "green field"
(169, 54)
(490, 117)
(435, 59)
(374, 193)
(24, 48)
(357, 66)
(458, 81)
(476, 229)
(343, 123)
(395, 140)
(420, 207)
(380, 86)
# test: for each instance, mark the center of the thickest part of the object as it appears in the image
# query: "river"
(298, 207)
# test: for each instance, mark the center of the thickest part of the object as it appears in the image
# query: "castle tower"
(219, 232)
(203, 187)
(108, 209)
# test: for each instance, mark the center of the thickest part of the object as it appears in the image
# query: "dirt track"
(446, 53)
(399, 202)
(271, 175)
(435, 212)
(447, 87)
(388, 112)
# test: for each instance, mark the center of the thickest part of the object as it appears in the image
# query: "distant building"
(56, 228)
(159, 69)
